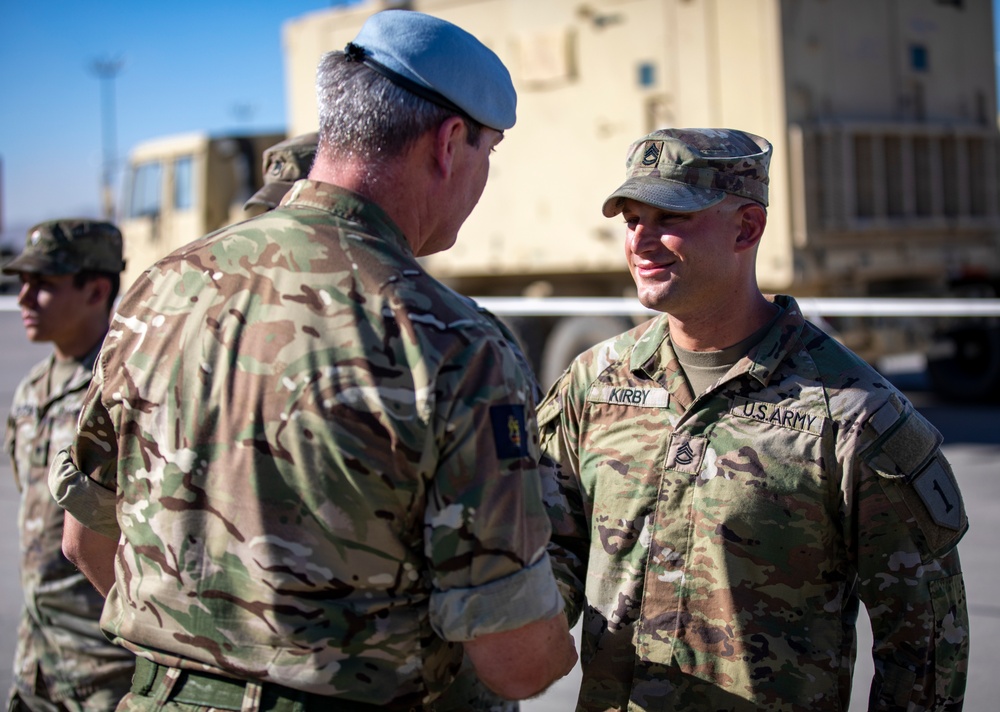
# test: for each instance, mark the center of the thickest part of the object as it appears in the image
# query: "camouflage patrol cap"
(284, 163)
(69, 246)
(686, 170)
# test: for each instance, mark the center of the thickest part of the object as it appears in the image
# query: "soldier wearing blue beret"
(306, 474)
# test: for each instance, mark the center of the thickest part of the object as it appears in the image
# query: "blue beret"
(439, 62)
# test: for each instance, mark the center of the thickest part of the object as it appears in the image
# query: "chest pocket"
(757, 487)
(763, 450)
(55, 431)
(624, 435)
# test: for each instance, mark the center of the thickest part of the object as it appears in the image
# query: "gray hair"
(362, 115)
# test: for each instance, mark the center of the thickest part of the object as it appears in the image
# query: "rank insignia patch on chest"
(686, 453)
(509, 431)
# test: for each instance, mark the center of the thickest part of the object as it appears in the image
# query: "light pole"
(106, 70)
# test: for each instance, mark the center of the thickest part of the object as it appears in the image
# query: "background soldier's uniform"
(309, 434)
(284, 163)
(731, 536)
(61, 651)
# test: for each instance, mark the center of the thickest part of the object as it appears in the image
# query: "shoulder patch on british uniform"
(509, 431)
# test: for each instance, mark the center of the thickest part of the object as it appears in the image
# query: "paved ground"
(972, 434)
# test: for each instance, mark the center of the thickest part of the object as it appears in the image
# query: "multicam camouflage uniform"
(323, 460)
(285, 163)
(61, 656)
(724, 541)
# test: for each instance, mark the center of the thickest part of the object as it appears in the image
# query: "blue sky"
(189, 65)
(213, 65)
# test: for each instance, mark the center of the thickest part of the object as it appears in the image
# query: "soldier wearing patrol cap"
(729, 483)
(284, 163)
(306, 473)
(69, 271)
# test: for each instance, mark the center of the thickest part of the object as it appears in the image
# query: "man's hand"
(92, 553)
(522, 663)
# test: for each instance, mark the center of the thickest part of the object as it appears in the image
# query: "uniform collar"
(764, 359)
(653, 352)
(346, 205)
(81, 377)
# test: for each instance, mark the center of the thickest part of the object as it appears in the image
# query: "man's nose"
(26, 295)
(640, 238)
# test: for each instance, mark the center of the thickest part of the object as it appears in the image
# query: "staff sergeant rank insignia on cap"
(652, 154)
(509, 431)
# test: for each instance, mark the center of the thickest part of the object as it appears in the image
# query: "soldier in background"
(69, 273)
(284, 163)
(729, 481)
(306, 472)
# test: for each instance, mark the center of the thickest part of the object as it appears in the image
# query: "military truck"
(178, 188)
(884, 180)
(882, 113)
(9, 283)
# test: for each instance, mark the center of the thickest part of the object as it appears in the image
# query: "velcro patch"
(625, 395)
(509, 432)
(916, 478)
(905, 441)
(774, 414)
(686, 453)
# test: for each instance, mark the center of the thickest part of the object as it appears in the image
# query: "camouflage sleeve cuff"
(90, 503)
(509, 603)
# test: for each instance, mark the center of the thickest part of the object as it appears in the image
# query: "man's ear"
(97, 290)
(753, 219)
(447, 141)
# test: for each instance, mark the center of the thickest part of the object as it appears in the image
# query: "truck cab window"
(184, 183)
(144, 198)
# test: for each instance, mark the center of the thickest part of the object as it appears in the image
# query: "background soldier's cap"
(686, 170)
(439, 62)
(284, 163)
(69, 246)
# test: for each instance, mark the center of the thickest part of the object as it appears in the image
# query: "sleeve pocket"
(951, 637)
(917, 478)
